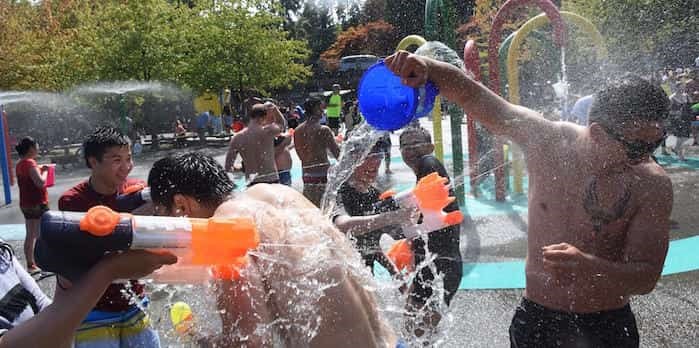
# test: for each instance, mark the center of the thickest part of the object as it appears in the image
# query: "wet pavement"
(668, 317)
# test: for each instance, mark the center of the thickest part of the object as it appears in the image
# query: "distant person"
(255, 144)
(353, 118)
(202, 125)
(385, 145)
(581, 109)
(313, 142)
(227, 118)
(117, 320)
(282, 157)
(334, 109)
(180, 134)
(692, 89)
(417, 151)
(33, 196)
(680, 120)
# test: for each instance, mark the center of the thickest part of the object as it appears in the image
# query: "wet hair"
(25, 145)
(310, 104)
(102, 139)
(629, 99)
(421, 132)
(191, 174)
(257, 111)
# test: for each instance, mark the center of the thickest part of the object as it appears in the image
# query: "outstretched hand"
(134, 264)
(412, 69)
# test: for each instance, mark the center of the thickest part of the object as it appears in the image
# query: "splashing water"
(441, 52)
(122, 87)
(39, 99)
(354, 150)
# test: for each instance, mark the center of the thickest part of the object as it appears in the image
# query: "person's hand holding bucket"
(388, 104)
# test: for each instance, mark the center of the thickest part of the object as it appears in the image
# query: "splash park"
(489, 181)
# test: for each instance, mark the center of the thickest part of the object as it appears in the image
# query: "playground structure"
(502, 60)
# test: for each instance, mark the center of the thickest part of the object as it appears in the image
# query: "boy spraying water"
(416, 148)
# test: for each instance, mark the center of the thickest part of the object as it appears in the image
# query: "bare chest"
(590, 211)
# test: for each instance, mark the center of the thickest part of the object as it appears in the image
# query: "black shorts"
(534, 325)
(334, 122)
(448, 265)
(34, 212)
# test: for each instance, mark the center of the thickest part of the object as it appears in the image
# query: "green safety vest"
(334, 106)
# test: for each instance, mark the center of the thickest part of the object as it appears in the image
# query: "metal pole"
(4, 159)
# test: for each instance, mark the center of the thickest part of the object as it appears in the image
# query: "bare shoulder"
(654, 183)
(279, 196)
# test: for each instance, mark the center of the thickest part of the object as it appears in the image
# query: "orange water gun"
(430, 196)
(71, 243)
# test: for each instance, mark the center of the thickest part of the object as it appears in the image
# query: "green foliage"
(644, 35)
(237, 44)
(245, 50)
(406, 16)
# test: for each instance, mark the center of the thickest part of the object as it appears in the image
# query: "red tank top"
(29, 194)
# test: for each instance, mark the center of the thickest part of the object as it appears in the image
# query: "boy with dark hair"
(313, 141)
(364, 218)
(299, 280)
(115, 319)
(599, 207)
(416, 149)
(255, 144)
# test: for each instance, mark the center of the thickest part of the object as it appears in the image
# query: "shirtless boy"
(302, 280)
(598, 206)
(313, 141)
(255, 144)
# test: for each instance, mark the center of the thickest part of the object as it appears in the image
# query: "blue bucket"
(387, 104)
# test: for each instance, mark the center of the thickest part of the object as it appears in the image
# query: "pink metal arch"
(473, 64)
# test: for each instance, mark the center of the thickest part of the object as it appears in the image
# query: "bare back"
(256, 146)
(312, 142)
(601, 213)
(311, 277)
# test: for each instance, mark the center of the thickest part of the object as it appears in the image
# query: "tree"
(231, 46)
(406, 16)
(373, 10)
(317, 27)
(377, 38)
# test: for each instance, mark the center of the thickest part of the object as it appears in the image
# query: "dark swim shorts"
(448, 264)
(537, 326)
(34, 212)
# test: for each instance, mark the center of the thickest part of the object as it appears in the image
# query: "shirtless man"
(313, 142)
(599, 208)
(282, 157)
(255, 144)
(307, 278)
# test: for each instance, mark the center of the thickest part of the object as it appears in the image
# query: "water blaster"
(133, 197)
(430, 196)
(387, 104)
(70, 243)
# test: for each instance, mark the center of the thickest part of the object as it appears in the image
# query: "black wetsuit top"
(444, 243)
